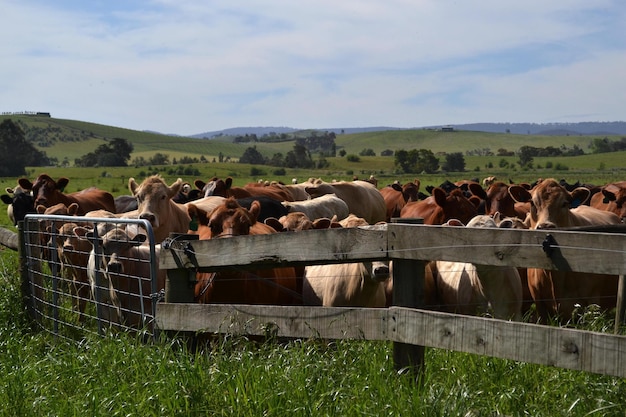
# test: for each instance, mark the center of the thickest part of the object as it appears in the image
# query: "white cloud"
(189, 67)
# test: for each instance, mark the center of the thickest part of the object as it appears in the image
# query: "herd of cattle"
(217, 208)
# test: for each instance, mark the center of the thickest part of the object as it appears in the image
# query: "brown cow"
(397, 196)
(441, 207)
(556, 292)
(224, 188)
(48, 192)
(265, 286)
(498, 199)
(156, 206)
(612, 197)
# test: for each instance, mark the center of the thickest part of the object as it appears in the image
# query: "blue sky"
(188, 67)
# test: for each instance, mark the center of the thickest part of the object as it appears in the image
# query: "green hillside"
(71, 139)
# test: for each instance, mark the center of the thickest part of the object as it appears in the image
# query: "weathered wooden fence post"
(408, 291)
(621, 303)
(180, 283)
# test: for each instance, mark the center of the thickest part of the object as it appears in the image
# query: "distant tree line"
(606, 145)
(298, 157)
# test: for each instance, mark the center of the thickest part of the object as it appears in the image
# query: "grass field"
(118, 375)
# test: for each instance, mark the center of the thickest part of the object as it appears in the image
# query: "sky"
(193, 66)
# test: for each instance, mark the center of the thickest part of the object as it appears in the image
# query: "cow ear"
(519, 194)
(255, 210)
(228, 182)
(25, 183)
(175, 188)
(132, 185)
(454, 222)
(440, 196)
(6, 199)
(579, 196)
(82, 232)
(41, 209)
(275, 224)
(477, 190)
(62, 183)
(608, 197)
(396, 187)
(199, 184)
(72, 209)
(322, 223)
(138, 239)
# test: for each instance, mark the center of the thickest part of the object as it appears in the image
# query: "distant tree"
(159, 159)
(455, 162)
(342, 153)
(386, 152)
(299, 157)
(526, 155)
(416, 161)
(252, 156)
(277, 160)
(116, 153)
(367, 152)
(353, 158)
(16, 153)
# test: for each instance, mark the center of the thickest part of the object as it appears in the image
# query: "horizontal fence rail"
(65, 298)
(409, 247)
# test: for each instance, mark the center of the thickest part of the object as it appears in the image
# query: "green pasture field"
(118, 375)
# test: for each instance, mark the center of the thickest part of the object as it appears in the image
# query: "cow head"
(230, 219)
(113, 246)
(19, 204)
(45, 190)
(154, 197)
(215, 186)
(550, 203)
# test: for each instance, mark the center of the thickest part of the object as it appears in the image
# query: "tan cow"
(359, 284)
(363, 198)
(156, 206)
(555, 292)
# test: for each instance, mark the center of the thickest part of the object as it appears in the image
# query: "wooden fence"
(409, 327)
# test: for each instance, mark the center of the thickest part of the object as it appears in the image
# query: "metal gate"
(91, 274)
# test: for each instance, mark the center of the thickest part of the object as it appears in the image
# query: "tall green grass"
(118, 375)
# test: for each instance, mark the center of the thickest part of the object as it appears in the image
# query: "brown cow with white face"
(556, 292)
(612, 197)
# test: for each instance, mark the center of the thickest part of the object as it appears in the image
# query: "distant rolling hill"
(545, 129)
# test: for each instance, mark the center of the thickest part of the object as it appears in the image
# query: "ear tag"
(193, 225)
(606, 200)
(575, 203)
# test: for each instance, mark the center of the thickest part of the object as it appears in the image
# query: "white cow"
(327, 205)
(468, 288)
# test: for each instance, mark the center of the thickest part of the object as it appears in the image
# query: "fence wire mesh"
(91, 275)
